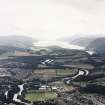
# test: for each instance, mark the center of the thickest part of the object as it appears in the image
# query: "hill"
(83, 41)
(80, 41)
(17, 41)
(98, 45)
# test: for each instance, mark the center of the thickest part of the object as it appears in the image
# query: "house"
(44, 87)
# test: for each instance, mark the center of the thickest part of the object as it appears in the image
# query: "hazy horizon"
(59, 38)
(51, 19)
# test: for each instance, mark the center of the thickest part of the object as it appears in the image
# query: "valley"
(52, 52)
(45, 79)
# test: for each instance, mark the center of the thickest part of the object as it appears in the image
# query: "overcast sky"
(50, 19)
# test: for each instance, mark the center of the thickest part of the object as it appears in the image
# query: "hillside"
(97, 45)
(16, 41)
(80, 41)
(83, 41)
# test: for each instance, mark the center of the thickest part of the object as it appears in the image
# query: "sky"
(51, 19)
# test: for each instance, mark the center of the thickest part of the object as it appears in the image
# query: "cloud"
(50, 19)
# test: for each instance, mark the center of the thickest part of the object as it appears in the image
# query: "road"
(80, 73)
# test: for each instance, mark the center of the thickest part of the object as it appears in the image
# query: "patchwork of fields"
(34, 96)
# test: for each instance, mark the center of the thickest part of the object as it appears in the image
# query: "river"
(15, 97)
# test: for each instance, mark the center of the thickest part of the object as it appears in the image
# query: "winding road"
(80, 72)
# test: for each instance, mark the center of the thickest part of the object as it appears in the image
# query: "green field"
(40, 96)
(54, 72)
(63, 72)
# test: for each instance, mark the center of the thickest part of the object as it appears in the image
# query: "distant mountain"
(80, 41)
(10, 48)
(17, 41)
(98, 45)
(54, 47)
(47, 49)
(6, 51)
(83, 41)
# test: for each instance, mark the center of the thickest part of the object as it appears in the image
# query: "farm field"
(55, 72)
(46, 74)
(48, 94)
(40, 96)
